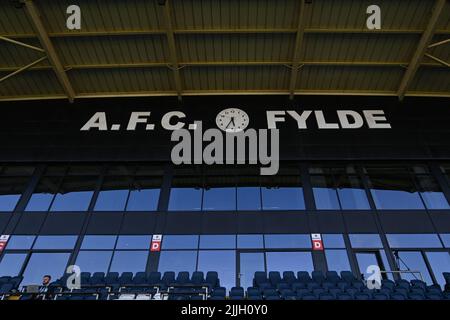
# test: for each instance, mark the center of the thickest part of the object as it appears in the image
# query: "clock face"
(232, 120)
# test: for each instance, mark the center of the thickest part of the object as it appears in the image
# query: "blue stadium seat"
(196, 297)
(362, 296)
(283, 286)
(97, 279)
(270, 293)
(317, 276)
(309, 296)
(112, 279)
(388, 284)
(154, 279)
(85, 278)
(168, 278)
(298, 285)
(344, 296)
(218, 294)
(301, 292)
(198, 278)
(16, 281)
(183, 278)
(318, 291)
(333, 277)
(212, 279)
(140, 279)
(289, 277)
(273, 297)
(260, 280)
(358, 284)
(402, 284)
(237, 293)
(416, 296)
(433, 296)
(398, 296)
(126, 278)
(352, 291)
(335, 291)
(328, 285)
(4, 279)
(343, 285)
(288, 294)
(313, 285)
(253, 293)
(303, 276)
(418, 284)
(274, 278)
(348, 276)
(446, 277)
(380, 296)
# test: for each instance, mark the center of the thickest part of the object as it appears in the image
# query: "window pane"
(143, 200)
(414, 241)
(217, 242)
(134, 242)
(74, 194)
(337, 260)
(365, 241)
(413, 261)
(440, 263)
(11, 188)
(180, 242)
(11, 264)
(98, 242)
(72, 201)
(393, 188)
(289, 261)
(55, 242)
(129, 261)
(250, 241)
(185, 199)
(111, 200)
(352, 194)
(333, 241)
(283, 198)
(324, 192)
(94, 261)
(219, 199)
(44, 193)
(40, 264)
(445, 239)
(283, 191)
(20, 242)
(431, 193)
(288, 241)
(248, 198)
(224, 262)
(177, 261)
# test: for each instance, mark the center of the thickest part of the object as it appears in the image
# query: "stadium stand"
(274, 286)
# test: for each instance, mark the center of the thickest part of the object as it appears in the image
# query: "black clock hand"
(231, 121)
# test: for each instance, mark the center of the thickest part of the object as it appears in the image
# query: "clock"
(232, 120)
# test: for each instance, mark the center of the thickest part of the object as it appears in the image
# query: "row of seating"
(142, 280)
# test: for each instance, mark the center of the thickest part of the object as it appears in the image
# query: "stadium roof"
(212, 47)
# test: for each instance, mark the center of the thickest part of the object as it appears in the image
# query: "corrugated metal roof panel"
(247, 47)
(235, 78)
(121, 80)
(32, 83)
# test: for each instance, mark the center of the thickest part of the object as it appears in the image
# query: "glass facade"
(303, 191)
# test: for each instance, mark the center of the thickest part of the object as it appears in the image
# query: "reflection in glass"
(20, 242)
(413, 261)
(365, 241)
(223, 261)
(98, 242)
(333, 241)
(250, 263)
(283, 191)
(293, 241)
(143, 200)
(11, 189)
(94, 261)
(180, 242)
(11, 264)
(337, 260)
(177, 261)
(111, 200)
(394, 188)
(440, 263)
(250, 241)
(248, 198)
(40, 264)
(134, 242)
(129, 261)
(414, 241)
(289, 261)
(217, 241)
(189, 199)
(55, 242)
(431, 193)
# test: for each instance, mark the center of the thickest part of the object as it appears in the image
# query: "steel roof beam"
(28, 66)
(172, 48)
(298, 45)
(34, 15)
(427, 36)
